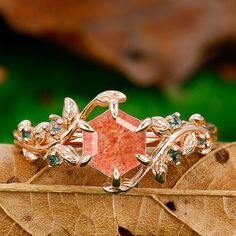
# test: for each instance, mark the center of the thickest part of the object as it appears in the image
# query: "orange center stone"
(114, 143)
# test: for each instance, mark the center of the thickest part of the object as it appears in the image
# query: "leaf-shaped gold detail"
(85, 126)
(160, 124)
(68, 153)
(144, 125)
(144, 159)
(40, 127)
(107, 96)
(197, 119)
(24, 124)
(29, 155)
(85, 160)
(70, 110)
(189, 143)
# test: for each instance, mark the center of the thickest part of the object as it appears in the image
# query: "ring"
(114, 142)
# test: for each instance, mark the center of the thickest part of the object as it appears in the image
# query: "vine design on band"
(50, 140)
(178, 138)
(56, 141)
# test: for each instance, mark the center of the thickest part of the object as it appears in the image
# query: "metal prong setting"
(117, 185)
(144, 159)
(53, 140)
(114, 108)
(85, 126)
(116, 181)
(85, 160)
(144, 125)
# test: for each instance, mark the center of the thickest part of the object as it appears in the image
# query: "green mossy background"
(41, 74)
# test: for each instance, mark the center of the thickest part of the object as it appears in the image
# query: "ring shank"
(151, 139)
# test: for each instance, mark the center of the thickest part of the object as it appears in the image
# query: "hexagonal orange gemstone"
(114, 143)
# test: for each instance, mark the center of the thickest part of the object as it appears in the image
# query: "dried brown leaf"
(209, 215)
(58, 202)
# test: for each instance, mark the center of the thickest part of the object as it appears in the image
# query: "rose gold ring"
(115, 142)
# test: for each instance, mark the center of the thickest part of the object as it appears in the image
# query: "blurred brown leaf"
(215, 214)
(3, 75)
(152, 42)
(42, 201)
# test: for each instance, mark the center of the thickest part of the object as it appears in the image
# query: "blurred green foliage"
(40, 75)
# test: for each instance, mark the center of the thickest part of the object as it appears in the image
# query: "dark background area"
(36, 75)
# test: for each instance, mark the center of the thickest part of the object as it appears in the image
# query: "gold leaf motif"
(40, 127)
(24, 124)
(189, 143)
(144, 159)
(70, 110)
(68, 153)
(84, 160)
(29, 155)
(85, 126)
(144, 125)
(197, 119)
(107, 96)
(160, 124)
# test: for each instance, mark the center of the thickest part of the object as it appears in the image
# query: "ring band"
(114, 142)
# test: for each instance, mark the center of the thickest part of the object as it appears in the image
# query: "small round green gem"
(25, 134)
(174, 156)
(54, 127)
(175, 120)
(202, 142)
(161, 177)
(53, 160)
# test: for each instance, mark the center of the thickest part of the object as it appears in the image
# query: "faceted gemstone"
(174, 156)
(202, 141)
(25, 134)
(160, 177)
(54, 127)
(175, 120)
(114, 143)
(53, 160)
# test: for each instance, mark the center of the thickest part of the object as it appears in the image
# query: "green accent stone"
(25, 134)
(55, 128)
(53, 160)
(161, 177)
(174, 156)
(202, 142)
(175, 121)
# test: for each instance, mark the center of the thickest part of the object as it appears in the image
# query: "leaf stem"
(24, 187)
